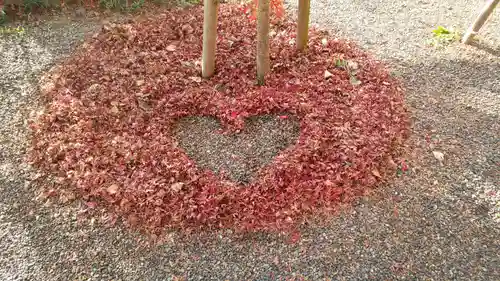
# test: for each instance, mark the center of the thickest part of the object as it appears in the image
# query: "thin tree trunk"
(480, 20)
(209, 37)
(303, 24)
(262, 40)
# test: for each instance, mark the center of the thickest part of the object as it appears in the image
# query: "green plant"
(3, 16)
(340, 63)
(12, 31)
(30, 4)
(136, 5)
(443, 36)
(188, 2)
(352, 69)
(112, 4)
(121, 5)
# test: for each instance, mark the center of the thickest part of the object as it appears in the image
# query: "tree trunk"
(480, 20)
(303, 24)
(209, 37)
(262, 40)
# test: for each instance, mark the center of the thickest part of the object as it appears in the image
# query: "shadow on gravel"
(459, 102)
(447, 76)
(490, 49)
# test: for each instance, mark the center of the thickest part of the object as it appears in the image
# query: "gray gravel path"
(438, 222)
(238, 156)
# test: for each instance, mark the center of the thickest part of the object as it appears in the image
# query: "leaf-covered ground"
(111, 108)
(437, 221)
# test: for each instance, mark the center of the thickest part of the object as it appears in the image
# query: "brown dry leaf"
(66, 197)
(439, 156)
(328, 74)
(391, 164)
(171, 48)
(187, 29)
(352, 65)
(112, 189)
(177, 186)
(196, 79)
(354, 81)
(144, 104)
(376, 173)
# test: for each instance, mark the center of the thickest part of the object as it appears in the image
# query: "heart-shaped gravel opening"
(240, 155)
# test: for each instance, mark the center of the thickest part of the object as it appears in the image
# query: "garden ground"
(437, 221)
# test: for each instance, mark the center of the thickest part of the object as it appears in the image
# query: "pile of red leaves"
(107, 126)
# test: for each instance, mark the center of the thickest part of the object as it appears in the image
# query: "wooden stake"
(263, 64)
(480, 20)
(303, 24)
(209, 37)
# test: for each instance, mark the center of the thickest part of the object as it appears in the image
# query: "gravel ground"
(439, 221)
(240, 155)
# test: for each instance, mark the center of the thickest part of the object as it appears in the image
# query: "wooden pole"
(303, 24)
(209, 37)
(480, 20)
(263, 64)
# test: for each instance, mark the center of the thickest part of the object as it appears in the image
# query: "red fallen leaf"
(50, 193)
(427, 138)
(234, 114)
(132, 219)
(396, 198)
(396, 211)
(91, 204)
(283, 117)
(111, 220)
(404, 166)
(294, 237)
